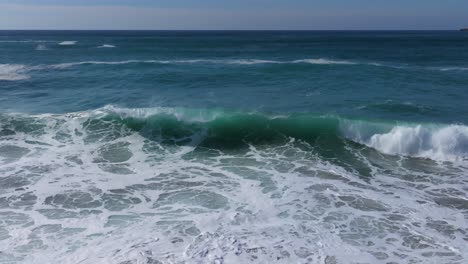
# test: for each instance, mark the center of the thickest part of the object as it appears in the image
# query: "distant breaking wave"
(67, 43)
(320, 61)
(13, 72)
(209, 61)
(106, 46)
(454, 69)
(25, 68)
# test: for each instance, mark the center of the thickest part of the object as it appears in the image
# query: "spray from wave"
(433, 141)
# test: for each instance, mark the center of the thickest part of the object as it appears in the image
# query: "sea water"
(233, 147)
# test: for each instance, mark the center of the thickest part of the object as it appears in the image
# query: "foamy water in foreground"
(110, 186)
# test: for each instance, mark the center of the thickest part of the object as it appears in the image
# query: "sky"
(234, 14)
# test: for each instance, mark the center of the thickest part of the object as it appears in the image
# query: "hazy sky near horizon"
(239, 14)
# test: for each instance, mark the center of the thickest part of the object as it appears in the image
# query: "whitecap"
(13, 72)
(67, 43)
(106, 46)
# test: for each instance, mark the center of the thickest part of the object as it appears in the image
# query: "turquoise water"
(233, 147)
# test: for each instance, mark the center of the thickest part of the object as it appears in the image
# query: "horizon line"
(232, 29)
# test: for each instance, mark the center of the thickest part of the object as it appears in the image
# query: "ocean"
(233, 147)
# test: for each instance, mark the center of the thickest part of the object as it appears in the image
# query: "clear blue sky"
(238, 14)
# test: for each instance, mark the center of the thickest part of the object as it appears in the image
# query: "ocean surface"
(233, 147)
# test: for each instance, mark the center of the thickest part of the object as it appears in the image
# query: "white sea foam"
(13, 72)
(67, 43)
(106, 46)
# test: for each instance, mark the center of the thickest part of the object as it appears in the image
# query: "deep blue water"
(411, 76)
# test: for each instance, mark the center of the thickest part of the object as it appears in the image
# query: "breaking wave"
(433, 141)
(220, 129)
(177, 185)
